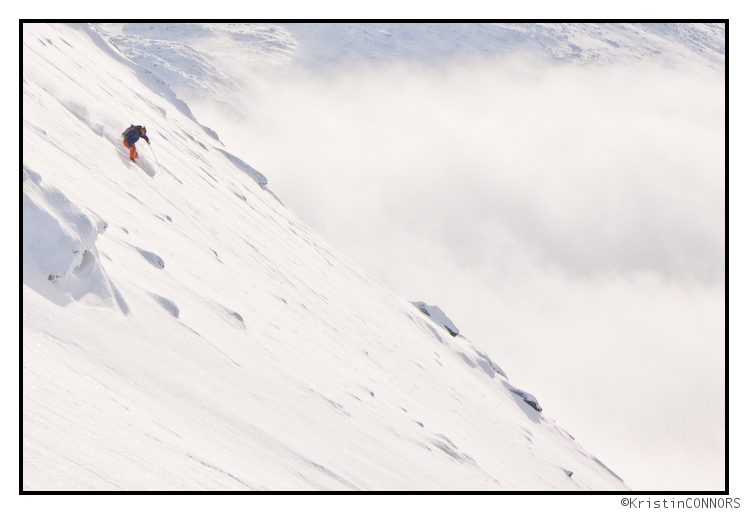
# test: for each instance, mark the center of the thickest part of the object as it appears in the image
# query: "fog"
(570, 220)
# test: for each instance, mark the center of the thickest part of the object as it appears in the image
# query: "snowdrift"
(59, 240)
(183, 330)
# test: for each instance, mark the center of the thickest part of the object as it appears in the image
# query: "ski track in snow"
(259, 358)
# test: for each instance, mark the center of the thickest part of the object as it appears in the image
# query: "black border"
(629, 494)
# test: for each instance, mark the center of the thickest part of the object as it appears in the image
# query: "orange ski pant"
(133, 151)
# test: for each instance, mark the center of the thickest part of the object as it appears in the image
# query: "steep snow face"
(182, 329)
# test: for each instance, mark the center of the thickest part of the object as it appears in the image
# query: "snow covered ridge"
(183, 330)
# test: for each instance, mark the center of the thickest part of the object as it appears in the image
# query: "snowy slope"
(198, 335)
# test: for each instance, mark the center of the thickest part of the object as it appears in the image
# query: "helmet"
(143, 129)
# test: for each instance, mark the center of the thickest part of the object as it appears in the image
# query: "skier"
(132, 134)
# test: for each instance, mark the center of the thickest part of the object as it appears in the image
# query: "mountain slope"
(184, 330)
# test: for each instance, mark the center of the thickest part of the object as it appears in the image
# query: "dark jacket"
(133, 133)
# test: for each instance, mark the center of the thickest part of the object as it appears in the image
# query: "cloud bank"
(590, 171)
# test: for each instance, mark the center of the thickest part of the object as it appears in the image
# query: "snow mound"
(435, 313)
(526, 397)
(60, 259)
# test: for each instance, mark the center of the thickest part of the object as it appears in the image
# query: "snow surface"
(198, 335)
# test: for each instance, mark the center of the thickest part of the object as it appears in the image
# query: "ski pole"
(154, 156)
